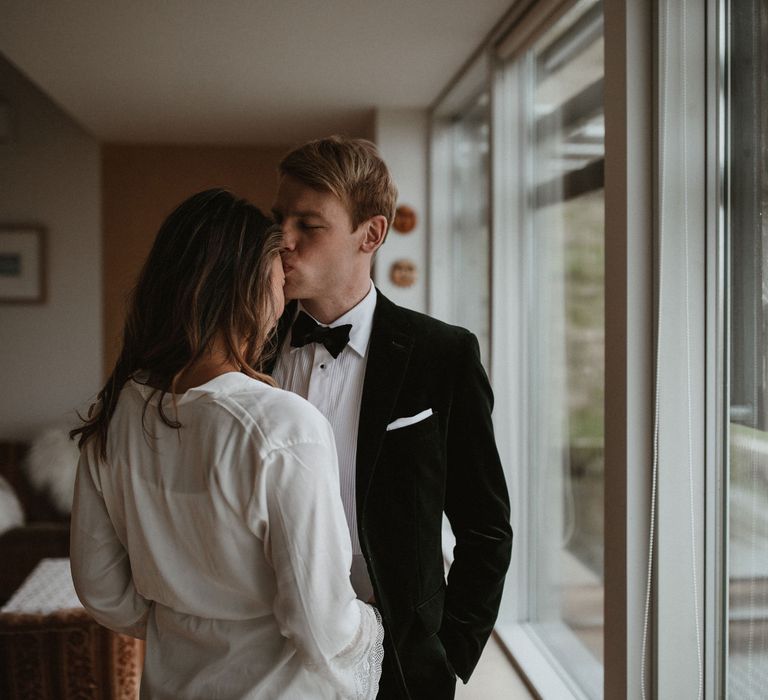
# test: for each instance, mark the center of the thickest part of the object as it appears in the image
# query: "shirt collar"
(361, 318)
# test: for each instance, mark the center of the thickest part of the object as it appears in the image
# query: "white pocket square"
(410, 420)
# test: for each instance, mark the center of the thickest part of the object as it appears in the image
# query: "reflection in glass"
(747, 668)
(562, 77)
(470, 295)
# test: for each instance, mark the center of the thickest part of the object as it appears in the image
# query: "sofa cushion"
(51, 465)
(38, 505)
(11, 513)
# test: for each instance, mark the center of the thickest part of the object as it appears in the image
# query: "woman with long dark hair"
(207, 516)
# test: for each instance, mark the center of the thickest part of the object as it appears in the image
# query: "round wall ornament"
(405, 219)
(403, 273)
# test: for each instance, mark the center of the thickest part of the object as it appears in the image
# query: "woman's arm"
(308, 544)
(101, 570)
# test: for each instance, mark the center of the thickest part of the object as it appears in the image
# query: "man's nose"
(289, 238)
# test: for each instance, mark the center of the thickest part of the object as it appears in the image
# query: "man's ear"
(375, 231)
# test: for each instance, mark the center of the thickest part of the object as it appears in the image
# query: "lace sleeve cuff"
(368, 671)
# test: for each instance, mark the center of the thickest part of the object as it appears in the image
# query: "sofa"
(45, 532)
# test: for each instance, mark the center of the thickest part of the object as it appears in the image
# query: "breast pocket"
(415, 431)
(414, 451)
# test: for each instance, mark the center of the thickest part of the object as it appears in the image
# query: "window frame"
(717, 390)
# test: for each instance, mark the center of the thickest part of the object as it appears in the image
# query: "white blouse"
(225, 545)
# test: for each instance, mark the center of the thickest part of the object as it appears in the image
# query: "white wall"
(401, 136)
(50, 354)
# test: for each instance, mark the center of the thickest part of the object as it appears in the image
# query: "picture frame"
(22, 264)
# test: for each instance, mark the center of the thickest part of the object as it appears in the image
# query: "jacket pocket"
(430, 612)
(415, 431)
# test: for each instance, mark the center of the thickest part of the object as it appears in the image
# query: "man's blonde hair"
(349, 168)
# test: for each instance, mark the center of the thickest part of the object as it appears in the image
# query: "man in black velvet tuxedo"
(410, 406)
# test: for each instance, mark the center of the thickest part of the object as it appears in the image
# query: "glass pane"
(470, 242)
(565, 265)
(748, 435)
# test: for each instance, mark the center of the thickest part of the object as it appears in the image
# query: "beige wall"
(143, 183)
(50, 353)
(401, 135)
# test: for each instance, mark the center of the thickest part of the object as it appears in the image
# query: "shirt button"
(322, 365)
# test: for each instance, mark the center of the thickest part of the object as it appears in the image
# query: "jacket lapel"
(388, 353)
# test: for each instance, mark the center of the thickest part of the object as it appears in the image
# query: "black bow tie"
(307, 330)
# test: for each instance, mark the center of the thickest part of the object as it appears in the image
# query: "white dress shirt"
(225, 544)
(335, 388)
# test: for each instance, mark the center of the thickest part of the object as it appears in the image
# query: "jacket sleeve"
(308, 545)
(477, 507)
(101, 570)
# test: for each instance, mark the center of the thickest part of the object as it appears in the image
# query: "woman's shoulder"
(261, 398)
(282, 417)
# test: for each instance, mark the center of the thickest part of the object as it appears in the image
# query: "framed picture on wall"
(22, 264)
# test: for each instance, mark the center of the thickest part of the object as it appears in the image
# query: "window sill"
(540, 669)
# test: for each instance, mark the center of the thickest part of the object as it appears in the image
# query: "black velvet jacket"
(407, 478)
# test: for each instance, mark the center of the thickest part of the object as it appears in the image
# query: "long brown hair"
(207, 276)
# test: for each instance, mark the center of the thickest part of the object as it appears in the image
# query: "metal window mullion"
(717, 394)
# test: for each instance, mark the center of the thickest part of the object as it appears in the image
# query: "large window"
(521, 135)
(664, 242)
(558, 82)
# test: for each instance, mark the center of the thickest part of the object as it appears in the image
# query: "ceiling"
(240, 71)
